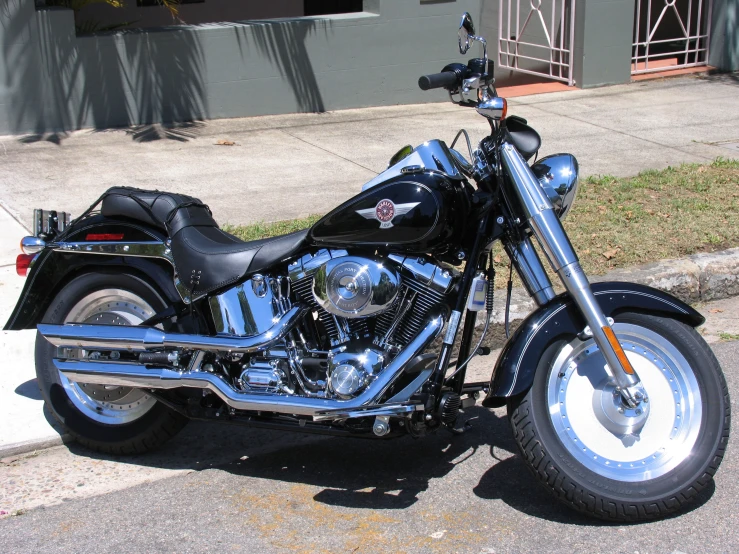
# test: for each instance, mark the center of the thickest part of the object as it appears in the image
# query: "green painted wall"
(724, 49)
(51, 80)
(603, 36)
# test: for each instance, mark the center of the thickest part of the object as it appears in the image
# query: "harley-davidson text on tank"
(386, 211)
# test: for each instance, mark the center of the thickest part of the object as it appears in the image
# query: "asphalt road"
(223, 489)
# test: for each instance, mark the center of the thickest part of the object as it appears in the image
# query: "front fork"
(553, 239)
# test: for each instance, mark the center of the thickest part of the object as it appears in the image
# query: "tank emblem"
(386, 211)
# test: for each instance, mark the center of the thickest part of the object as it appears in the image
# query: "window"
(152, 3)
(325, 7)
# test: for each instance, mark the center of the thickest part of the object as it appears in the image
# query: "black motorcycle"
(149, 315)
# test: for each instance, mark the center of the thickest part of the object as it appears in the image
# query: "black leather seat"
(206, 258)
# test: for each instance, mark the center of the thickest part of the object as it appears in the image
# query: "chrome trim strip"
(142, 249)
(138, 249)
(118, 374)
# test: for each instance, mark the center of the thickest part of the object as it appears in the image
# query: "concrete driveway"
(288, 166)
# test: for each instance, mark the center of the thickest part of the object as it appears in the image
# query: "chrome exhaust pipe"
(136, 375)
(141, 339)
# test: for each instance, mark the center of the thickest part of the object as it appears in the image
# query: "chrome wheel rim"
(628, 446)
(103, 403)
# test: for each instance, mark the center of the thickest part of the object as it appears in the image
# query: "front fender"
(561, 320)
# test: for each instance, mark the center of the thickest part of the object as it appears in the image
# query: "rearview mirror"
(466, 30)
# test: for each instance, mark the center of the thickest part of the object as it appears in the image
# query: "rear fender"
(55, 267)
(561, 320)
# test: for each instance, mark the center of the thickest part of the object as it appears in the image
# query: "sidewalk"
(288, 166)
(24, 424)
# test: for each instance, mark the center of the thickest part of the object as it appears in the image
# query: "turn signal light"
(620, 354)
(22, 263)
(505, 109)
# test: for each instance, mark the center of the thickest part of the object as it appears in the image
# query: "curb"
(27, 447)
(696, 278)
(693, 279)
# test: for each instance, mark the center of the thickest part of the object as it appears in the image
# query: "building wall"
(206, 12)
(724, 52)
(52, 80)
(604, 31)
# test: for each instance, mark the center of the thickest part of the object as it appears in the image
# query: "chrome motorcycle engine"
(355, 287)
(262, 375)
(364, 311)
(350, 371)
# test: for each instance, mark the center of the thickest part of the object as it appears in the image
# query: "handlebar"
(445, 79)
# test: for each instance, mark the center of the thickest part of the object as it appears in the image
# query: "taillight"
(23, 262)
(104, 236)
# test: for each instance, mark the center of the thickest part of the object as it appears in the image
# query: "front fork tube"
(558, 249)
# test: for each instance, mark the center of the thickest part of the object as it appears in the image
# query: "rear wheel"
(614, 462)
(116, 420)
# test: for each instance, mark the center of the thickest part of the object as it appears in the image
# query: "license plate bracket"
(49, 223)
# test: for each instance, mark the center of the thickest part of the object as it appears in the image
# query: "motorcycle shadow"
(375, 474)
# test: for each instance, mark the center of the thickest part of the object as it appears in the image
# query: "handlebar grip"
(438, 80)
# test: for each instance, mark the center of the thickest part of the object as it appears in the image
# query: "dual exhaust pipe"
(143, 339)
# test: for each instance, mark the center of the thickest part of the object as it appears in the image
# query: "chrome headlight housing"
(558, 177)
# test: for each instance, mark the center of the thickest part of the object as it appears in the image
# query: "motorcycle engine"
(354, 287)
(364, 311)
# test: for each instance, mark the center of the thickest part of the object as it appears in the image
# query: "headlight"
(558, 177)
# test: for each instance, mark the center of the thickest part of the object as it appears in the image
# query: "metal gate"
(670, 34)
(537, 37)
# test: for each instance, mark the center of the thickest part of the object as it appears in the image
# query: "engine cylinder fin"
(303, 289)
(385, 320)
(425, 300)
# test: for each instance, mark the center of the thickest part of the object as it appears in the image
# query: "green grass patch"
(674, 212)
(621, 222)
(257, 231)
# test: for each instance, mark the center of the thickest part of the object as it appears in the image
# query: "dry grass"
(620, 222)
(656, 215)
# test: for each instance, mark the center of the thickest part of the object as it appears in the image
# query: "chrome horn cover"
(558, 175)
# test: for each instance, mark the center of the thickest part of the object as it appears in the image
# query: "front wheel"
(605, 459)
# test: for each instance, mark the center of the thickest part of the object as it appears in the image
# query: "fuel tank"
(418, 205)
(415, 213)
